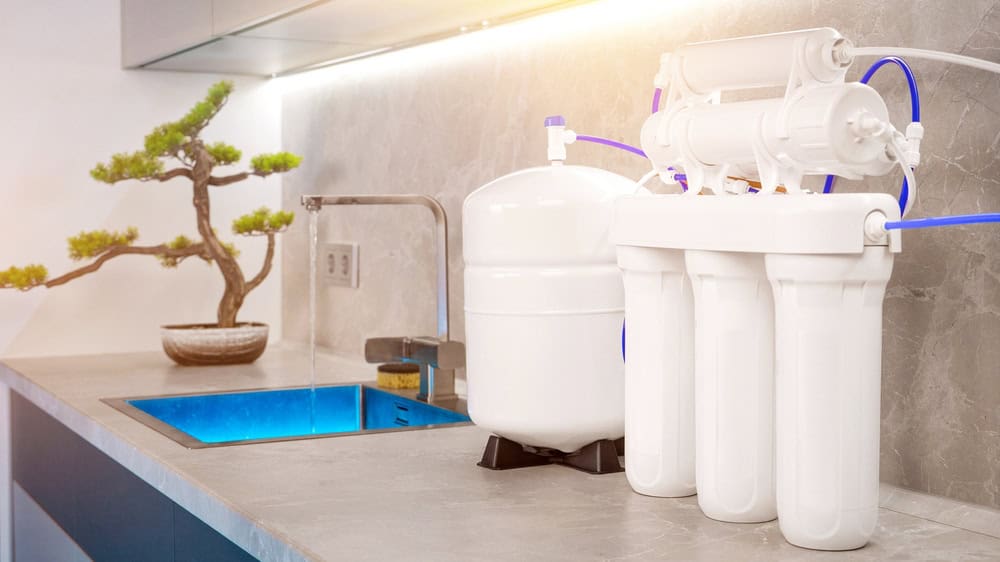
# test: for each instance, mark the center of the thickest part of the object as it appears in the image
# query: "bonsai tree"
(180, 143)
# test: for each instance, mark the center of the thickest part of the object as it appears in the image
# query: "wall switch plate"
(339, 264)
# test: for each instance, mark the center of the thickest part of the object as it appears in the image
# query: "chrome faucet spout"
(438, 357)
(312, 203)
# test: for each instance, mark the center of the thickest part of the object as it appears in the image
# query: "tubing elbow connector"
(559, 137)
(914, 134)
(865, 125)
(667, 177)
(737, 187)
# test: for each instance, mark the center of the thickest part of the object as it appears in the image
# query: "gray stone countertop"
(414, 495)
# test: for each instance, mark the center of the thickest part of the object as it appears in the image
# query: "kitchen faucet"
(437, 356)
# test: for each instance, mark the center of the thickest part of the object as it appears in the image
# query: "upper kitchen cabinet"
(270, 37)
(152, 29)
(230, 16)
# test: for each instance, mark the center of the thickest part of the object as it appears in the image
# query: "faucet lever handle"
(385, 350)
(423, 350)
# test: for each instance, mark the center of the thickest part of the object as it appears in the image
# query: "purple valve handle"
(555, 121)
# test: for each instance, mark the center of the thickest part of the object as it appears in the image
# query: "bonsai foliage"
(179, 143)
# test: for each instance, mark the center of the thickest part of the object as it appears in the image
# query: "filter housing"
(544, 306)
(786, 293)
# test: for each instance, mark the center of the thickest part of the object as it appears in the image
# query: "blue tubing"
(911, 81)
(613, 143)
(623, 340)
(828, 184)
(953, 220)
(904, 195)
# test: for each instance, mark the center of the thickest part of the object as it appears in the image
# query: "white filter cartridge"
(761, 60)
(828, 377)
(659, 372)
(734, 385)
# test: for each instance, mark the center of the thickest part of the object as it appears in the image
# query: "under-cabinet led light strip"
(461, 30)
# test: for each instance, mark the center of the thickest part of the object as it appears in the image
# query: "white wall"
(65, 104)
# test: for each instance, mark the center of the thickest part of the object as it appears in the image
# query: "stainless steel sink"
(256, 416)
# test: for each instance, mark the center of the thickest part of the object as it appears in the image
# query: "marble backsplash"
(445, 118)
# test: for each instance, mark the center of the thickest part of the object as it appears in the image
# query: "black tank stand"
(600, 457)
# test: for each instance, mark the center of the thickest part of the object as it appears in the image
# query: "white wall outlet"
(339, 264)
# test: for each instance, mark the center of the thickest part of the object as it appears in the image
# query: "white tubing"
(911, 184)
(642, 181)
(911, 179)
(926, 54)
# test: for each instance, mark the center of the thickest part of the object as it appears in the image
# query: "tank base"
(600, 457)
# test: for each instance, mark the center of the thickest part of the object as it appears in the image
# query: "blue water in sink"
(271, 414)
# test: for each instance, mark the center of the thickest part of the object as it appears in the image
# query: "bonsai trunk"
(235, 291)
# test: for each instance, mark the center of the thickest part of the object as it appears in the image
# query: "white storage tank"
(544, 307)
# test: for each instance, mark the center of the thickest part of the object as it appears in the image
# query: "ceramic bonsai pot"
(207, 344)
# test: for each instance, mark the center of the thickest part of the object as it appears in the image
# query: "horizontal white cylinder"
(812, 132)
(760, 60)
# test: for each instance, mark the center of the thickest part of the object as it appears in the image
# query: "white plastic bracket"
(715, 178)
(796, 81)
(679, 96)
(767, 167)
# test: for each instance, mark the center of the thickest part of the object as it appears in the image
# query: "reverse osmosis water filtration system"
(752, 306)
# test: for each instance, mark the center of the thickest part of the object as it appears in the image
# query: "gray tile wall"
(445, 119)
